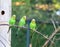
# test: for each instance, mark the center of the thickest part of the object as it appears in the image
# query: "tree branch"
(51, 36)
(43, 35)
(53, 23)
(26, 28)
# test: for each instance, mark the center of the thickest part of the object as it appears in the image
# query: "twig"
(53, 23)
(42, 35)
(13, 25)
(51, 36)
(58, 39)
(27, 28)
(51, 44)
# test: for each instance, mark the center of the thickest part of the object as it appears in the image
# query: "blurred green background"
(42, 11)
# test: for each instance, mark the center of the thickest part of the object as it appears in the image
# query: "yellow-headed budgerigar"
(32, 27)
(22, 23)
(12, 21)
(33, 24)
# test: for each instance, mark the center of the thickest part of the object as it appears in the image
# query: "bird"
(21, 23)
(12, 21)
(32, 27)
(33, 24)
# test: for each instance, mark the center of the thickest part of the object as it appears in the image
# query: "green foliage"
(39, 15)
(56, 1)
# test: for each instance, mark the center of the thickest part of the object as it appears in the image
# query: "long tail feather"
(17, 31)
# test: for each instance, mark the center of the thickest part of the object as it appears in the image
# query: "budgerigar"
(22, 23)
(12, 21)
(33, 27)
(33, 24)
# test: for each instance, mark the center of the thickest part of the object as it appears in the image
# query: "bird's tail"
(17, 32)
(18, 29)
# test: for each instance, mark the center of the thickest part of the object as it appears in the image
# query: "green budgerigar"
(33, 27)
(22, 23)
(12, 21)
(33, 24)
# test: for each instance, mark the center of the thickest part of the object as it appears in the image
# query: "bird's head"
(14, 16)
(33, 20)
(24, 17)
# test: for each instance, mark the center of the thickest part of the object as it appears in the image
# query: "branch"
(13, 25)
(53, 23)
(26, 28)
(57, 39)
(51, 36)
(42, 35)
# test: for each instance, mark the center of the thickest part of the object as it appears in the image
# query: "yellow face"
(14, 16)
(24, 17)
(33, 20)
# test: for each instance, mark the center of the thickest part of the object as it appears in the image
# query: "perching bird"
(12, 21)
(33, 24)
(33, 27)
(22, 23)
